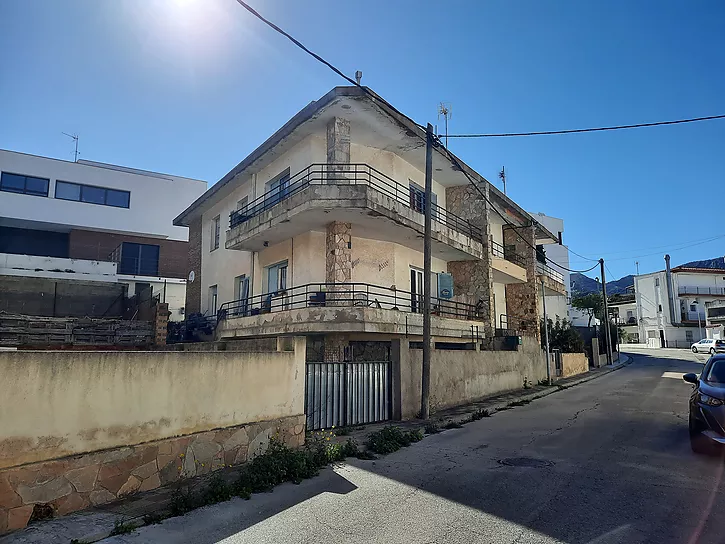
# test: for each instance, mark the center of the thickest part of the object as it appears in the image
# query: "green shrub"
(391, 438)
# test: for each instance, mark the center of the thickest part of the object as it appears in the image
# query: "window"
(26, 185)
(277, 277)
(417, 199)
(657, 282)
(630, 314)
(693, 308)
(65, 190)
(716, 374)
(215, 230)
(212, 300)
(242, 204)
(139, 259)
(688, 336)
(659, 307)
(276, 189)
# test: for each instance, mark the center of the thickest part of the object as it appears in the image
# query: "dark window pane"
(120, 199)
(36, 186)
(94, 195)
(12, 183)
(67, 191)
(129, 259)
(149, 265)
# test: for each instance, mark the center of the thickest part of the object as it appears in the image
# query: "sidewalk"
(97, 523)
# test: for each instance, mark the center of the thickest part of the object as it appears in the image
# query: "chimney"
(670, 299)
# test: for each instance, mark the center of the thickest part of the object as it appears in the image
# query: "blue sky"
(190, 87)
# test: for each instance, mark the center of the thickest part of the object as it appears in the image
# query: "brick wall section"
(97, 246)
(193, 288)
(522, 300)
(473, 280)
(161, 323)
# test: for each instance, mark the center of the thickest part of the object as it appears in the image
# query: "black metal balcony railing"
(624, 321)
(351, 174)
(546, 270)
(363, 295)
(690, 290)
(507, 252)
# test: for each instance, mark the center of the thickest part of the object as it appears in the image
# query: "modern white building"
(91, 221)
(558, 305)
(319, 231)
(671, 304)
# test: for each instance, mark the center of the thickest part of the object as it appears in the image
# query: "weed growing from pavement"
(480, 414)
(522, 402)
(391, 438)
(452, 425)
(431, 428)
(120, 527)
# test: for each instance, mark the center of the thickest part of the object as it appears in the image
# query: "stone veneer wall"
(522, 300)
(473, 280)
(91, 479)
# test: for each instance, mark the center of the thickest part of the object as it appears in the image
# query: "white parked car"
(706, 345)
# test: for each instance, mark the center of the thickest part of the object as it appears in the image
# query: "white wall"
(47, 267)
(155, 199)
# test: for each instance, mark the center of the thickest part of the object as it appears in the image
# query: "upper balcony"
(379, 207)
(706, 291)
(508, 266)
(553, 280)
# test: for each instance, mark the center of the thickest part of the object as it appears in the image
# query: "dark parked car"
(707, 406)
(720, 346)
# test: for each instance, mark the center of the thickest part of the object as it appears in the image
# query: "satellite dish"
(191, 276)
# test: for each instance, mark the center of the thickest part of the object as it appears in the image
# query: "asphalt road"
(613, 465)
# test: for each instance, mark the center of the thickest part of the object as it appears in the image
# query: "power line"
(332, 67)
(679, 247)
(376, 98)
(684, 244)
(596, 129)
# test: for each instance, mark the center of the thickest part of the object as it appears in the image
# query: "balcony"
(624, 322)
(345, 307)
(693, 317)
(508, 266)
(379, 208)
(709, 291)
(553, 280)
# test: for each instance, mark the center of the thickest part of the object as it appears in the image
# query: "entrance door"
(417, 290)
(241, 294)
(662, 338)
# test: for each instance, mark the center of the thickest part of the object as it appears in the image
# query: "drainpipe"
(670, 299)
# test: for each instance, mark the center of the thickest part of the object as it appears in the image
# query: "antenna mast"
(445, 110)
(502, 175)
(74, 137)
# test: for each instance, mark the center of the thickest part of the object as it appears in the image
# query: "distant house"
(94, 222)
(672, 305)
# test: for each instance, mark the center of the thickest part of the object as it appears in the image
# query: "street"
(607, 461)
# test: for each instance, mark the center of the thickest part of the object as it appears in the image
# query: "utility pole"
(425, 382)
(546, 336)
(607, 331)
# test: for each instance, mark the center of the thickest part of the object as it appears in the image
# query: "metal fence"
(691, 290)
(349, 393)
(351, 174)
(507, 252)
(345, 294)
(546, 270)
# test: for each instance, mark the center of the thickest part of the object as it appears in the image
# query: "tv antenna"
(74, 137)
(502, 175)
(444, 109)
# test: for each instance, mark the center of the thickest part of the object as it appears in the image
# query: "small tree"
(562, 336)
(590, 303)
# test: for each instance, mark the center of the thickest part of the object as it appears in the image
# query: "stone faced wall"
(81, 481)
(522, 299)
(82, 428)
(473, 280)
(193, 288)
